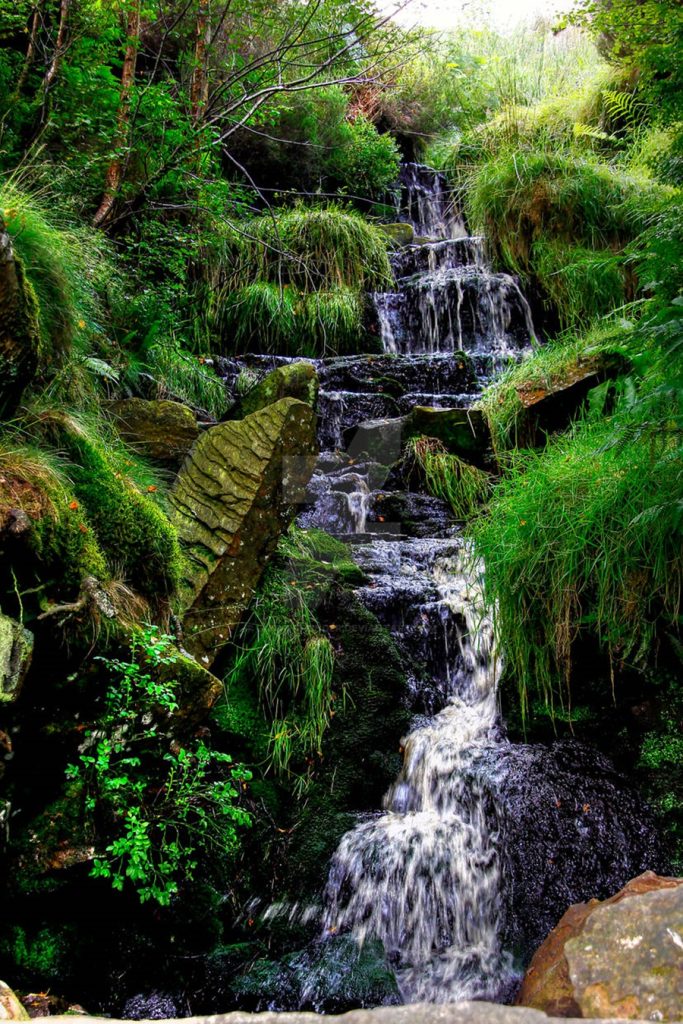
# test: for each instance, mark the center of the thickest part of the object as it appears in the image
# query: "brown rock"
(161, 430)
(233, 497)
(606, 960)
(10, 1007)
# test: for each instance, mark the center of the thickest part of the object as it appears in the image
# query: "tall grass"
(64, 263)
(521, 198)
(315, 249)
(265, 317)
(448, 477)
(583, 538)
(582, 284)
(284, 654)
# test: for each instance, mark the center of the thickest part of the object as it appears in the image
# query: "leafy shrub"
(168, 805)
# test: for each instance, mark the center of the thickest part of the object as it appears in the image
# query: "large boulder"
(19, 340)
(291, 380)
(233, 497)
(16, 649)
(161, 430)
(551, 405)
(10, 1007)
(619, 958)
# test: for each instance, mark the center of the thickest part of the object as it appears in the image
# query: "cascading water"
(482, 844)
(446, 297)
(424, 877)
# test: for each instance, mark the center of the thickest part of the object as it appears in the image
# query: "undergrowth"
(463, 486)
(583, 537)
(285, 654)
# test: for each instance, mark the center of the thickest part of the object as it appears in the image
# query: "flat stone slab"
(422, 1013)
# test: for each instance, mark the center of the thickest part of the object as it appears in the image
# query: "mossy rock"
(293, 380)
(137, 538)
(398, 234)
(464, 432)
(234, 496)
(19, 333)
(160, 430)
(16, 649)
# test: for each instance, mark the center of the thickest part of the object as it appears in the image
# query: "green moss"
(137, 538)
(19, 339)
(39, 959)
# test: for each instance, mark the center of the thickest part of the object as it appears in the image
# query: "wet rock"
(550, 407)
(150, 1006)
(571, 828)
(464, 432)
(622, 957)
(291, 380)
(161, 430)
(10, 1007)
(425, 1013)
(16, 649)
(233, 497)
(19, 340)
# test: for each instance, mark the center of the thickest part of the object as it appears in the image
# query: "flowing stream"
(481, 844)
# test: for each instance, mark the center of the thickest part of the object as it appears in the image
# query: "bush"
(581, 284)
(166, 806)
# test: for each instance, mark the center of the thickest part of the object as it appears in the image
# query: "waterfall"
(425, 876)
(481, 844)
(446, 296)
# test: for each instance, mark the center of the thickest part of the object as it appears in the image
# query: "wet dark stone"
(571, 829)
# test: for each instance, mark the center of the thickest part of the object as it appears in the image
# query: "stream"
(480, 844)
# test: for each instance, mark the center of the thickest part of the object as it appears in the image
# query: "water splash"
(425, 876)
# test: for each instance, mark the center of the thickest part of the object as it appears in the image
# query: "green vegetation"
(284, 656)
(164, 808)
(446, 476)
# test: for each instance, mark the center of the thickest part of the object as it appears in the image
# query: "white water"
(424, 877)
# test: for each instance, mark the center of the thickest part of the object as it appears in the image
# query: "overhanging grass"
(314, 249)
(448, 477)
(264, 317)
(285, 657)
(584, 537)
(582, 284)
(63, 263)
(521, 198)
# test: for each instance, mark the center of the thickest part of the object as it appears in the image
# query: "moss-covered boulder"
(19, 338)
(292, 380)
(232, 499)
(161, 430)
(16, 648)
(138, 540)
(398, 234)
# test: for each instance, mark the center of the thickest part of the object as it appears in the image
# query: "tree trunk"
(30, 51)
(114, 175)
(199, 85)
(60, 47)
